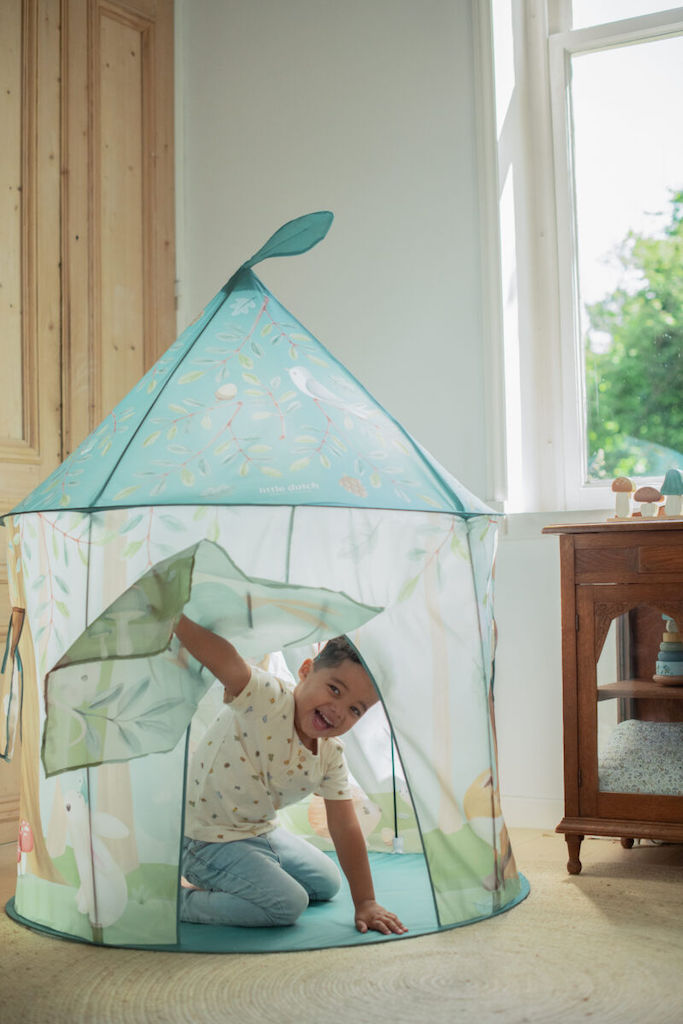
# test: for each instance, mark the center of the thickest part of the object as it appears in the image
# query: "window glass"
(628, 163)
(596, 12)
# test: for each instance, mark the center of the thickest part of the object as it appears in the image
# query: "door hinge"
(580, 778)
(577, 623)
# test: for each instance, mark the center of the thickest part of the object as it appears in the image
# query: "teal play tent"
(251, 481)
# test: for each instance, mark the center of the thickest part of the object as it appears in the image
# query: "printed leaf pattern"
(118, 716)
(247, 407)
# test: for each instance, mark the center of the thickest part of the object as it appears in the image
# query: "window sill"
(524, 526)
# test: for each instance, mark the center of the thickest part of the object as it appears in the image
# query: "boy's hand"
(370, 914)
(165, 595)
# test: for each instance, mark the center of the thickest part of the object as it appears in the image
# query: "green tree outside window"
(634, 386)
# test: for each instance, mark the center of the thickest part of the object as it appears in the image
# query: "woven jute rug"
(603, 946)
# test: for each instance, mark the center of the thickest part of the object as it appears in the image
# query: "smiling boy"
(270, 747)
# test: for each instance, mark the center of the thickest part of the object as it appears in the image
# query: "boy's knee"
(289, 907)
(328, 884)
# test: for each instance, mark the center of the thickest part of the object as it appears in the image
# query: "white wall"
(528, 681)
(367, 108)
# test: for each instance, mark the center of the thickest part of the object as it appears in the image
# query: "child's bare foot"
(187, 885)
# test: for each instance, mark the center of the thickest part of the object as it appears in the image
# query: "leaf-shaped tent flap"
(261, 615)
(124, 688)
(294, 237)
(140, 621)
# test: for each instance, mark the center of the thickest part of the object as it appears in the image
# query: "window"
(591, 151)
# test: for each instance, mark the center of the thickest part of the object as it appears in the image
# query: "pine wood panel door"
(30, 334)
(87, 254)
(118, 239)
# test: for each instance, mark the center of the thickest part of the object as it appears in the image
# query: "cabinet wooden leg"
(627, 843)
(573, 847)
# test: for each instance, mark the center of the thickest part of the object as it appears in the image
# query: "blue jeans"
(254, 883)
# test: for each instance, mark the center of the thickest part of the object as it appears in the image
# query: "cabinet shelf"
(639, 689)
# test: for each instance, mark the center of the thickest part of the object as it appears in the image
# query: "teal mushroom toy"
(672, 489)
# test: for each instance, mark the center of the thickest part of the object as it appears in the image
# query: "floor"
(600, 947)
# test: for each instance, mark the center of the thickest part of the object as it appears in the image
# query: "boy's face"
(329, 700)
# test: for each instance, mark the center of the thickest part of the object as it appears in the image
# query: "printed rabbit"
(104, 902)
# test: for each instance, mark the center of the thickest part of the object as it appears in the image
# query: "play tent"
(250, 480)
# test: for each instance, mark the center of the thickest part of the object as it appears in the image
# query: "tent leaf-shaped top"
(248, 408)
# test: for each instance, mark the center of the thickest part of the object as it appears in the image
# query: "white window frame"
(562, 47)
(541, 446)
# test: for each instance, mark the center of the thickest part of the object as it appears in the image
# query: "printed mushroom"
(623, 489)
(649, 498)
(24, 845)
(25, 837)
(672, 489)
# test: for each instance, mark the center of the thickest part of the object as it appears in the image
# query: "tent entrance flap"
(123, 689)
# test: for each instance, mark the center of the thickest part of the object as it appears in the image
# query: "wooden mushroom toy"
(672, 489)
(649, 498)
(623, 489)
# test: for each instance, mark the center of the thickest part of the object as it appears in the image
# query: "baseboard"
(531, 812)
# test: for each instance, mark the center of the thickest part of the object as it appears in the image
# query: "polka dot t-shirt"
(251, 762)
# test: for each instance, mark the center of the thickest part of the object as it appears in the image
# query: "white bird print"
(304, 380)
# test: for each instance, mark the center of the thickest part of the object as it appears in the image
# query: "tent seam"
(169, 378)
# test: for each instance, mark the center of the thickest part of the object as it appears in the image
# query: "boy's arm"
(218, 655)
(349, 843)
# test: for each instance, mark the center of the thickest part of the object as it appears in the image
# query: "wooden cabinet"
(618, 580)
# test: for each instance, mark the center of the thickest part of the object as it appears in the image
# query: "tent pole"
(398, 840)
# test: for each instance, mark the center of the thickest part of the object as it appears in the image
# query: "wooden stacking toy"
(669, 667)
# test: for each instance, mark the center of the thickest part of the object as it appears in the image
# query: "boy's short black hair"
(335, 651)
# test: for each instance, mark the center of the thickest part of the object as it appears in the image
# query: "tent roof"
(248, 408)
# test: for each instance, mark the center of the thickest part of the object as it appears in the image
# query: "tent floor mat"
(401, 885)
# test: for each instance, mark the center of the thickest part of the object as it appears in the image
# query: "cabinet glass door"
(639, 699)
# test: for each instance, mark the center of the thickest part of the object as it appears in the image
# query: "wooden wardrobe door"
(30, 396)
(119, 252)
(87, 253)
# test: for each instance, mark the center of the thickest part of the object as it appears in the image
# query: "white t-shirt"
(251, 762)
